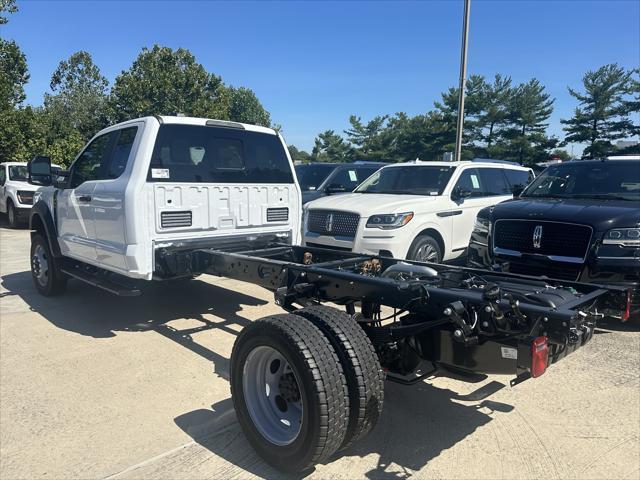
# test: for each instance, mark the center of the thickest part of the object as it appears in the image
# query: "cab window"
(121, 151)
(201, 154)
(88, 165)
(3, 175)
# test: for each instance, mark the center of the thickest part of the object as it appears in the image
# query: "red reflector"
(539, 356)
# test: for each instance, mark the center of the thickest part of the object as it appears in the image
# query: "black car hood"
(308, 195)
(600, 214)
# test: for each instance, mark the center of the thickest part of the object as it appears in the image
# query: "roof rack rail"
(491, 160)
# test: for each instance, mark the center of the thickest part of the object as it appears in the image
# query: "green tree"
(447, 109)
(245, 107)
(14, 74)
(525, 138)
(493, 108)
(163, 81)
(331, 147)
(297, 155)
(602, 114)
(371, 140)
(78, 101)
(7, 6)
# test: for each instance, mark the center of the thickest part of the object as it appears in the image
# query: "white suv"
(421, 211)
(16, 194)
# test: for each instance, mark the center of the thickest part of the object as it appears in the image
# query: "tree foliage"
(78, 102)
(244, 107)
(299, 156)
(329, 146)
(163, 81)
(7, 6)
(603, 109)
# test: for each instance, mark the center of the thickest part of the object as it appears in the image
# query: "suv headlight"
(388, 221)
(481, 225)
(625, 237)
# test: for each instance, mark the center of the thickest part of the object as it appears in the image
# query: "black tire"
(54, 282)
(425, 248)
(365, 378)
(12, 215)
(321, 382)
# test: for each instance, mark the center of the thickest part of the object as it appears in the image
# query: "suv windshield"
(207, 154)
(409, 180)
(310, 177)
(18, 173)
(601, 180)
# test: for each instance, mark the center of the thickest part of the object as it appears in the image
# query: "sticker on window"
(159, 173)
(474, 181)
(508, 352)
(352, 176)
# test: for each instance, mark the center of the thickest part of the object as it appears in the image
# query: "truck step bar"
(101, 278)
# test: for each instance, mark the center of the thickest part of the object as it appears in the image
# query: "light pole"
(463, 79)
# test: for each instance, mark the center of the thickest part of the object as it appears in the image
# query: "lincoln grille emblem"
(537, 236)
(328, 224)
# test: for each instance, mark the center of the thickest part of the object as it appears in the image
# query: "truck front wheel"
(47, 277)
(289, 392)
(12, 215)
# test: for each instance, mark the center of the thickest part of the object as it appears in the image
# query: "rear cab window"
(208, 154)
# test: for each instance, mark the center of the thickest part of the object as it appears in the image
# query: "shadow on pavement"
(417, 424)
(95, 313)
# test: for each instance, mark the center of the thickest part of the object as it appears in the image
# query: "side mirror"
(517, 189)
(459, 193)
(39, 169)
(61, 178)
(336, 188)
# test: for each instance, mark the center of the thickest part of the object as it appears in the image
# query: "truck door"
(109, 199)
(76, 221)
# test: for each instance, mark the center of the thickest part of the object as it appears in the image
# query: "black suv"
(577, 221)
(322, 179)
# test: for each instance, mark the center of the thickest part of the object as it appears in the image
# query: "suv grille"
(277, 214)
(175, 219)
(332, 222)
(559, 239)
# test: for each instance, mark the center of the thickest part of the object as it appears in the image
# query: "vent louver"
(277, 214)
(175, 219)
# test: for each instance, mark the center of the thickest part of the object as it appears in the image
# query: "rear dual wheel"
(303, 388)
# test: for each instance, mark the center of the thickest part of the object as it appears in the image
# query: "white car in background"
(422, 211)
(16, 194)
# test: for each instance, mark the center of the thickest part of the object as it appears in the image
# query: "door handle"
(84, 198)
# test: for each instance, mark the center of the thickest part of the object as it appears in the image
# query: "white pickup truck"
(142, 191)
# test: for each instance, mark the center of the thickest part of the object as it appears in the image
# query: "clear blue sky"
(314, 64)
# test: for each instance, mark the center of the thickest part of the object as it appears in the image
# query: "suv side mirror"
(336, 188)
(517, 189)
(459, 193)
(39, 169)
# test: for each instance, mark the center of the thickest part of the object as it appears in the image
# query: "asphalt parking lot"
(95, 386)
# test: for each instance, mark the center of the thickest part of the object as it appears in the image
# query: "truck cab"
(146, 189)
